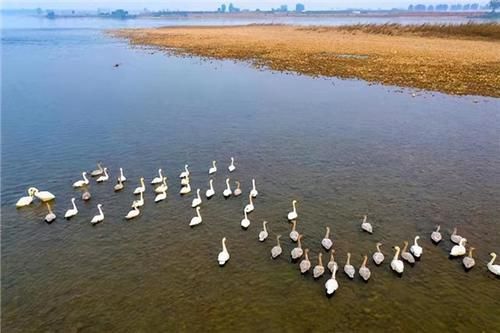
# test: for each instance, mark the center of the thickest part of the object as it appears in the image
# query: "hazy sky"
(211, 4)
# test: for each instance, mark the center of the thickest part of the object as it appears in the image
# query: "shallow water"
(341, 148)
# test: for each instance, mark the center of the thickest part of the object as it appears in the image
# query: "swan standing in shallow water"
(454, 237)
(197, 219)
(231, 166)
(121, 177)
(348, 268)
(407, 255)
(366, 226)
(297, 252)
(254, 193)
(140, 202)
(276, 250)
(210, 192)
(293, 214)
(327, 242)
(142, 188)
(50, 217)
(163, 187)
(364, 271)
(185, 189)
(227, 192)
(43, 195)
(319, 269)
(378, 257)
(71, 212)
(468, 261)
(245, 223)
(159, 179)
(396, 264)
(294, 235)
(99, 171)
(82, 182)
(224, 254)
(99, 217)
(305, 264)
(26, 201)
(185, 173)
(263, 234)
(459, 250)
(133, 213)
(416, 249)
(332, 261)
(213, 169)
(436, 235)
(495, 269)
(237, 192)
(250, 207)
(196, 201)
(331, 284)
(161, 196)
(104, 177)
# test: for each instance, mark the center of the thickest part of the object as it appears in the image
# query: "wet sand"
(460, 65)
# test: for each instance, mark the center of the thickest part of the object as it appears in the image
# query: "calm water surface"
(341, 148)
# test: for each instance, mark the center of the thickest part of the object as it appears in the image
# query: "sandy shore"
(453, 64)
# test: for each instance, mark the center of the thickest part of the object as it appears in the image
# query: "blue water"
(343, 148)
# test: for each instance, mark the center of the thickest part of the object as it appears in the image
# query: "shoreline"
(462, 60)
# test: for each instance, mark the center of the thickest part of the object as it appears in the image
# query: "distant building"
(119, 13)
(442, 7)
(299, 7)
(233, 9)
(420, 8)
(410, 8)
(430, 8)
(283, 8)
(222, 8)
(51, 14)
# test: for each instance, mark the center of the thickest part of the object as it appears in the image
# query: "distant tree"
(494, 5)
(430, 8)
(410, 8)
(474, 6)
(420, 8)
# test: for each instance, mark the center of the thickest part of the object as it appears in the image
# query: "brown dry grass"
(455, 65)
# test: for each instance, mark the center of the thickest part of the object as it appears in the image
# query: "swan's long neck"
(470, 252)
(404, 247)
(211, 184)
(320, 260)
(245, 213)
(327, 235)
(396, 255)
(160, 174)
(121, 173)
(213, 164)
(348, 258)
(454, 231)
(334, 271)
(74, 205)
(142, 182)
(294, 224)
(264, 226)
(294, 209)
(332, 258)
(198, 212)
(198, 193)
(238, 185)
(227, 184)
(142, 195)
(186, 168)
(438, 228)
(298, 241)
(278, 240)
(232, 161)
(85, 180)
(307, 254)
(364, 219)
(50, 210)
(105, 172)
(100, 211)
(364, 261)
(250, 199)
(415, 241)
(224, 249)
(253, 184)
(378, 248)
(493, 257)
(99, 166)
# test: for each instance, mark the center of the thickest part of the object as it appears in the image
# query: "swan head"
(265, 222)
(142, 179)
(73, 200)
(417, 238)
(379, 244)
(294, 202)
(232, 159)
(99, 206)
(396, 248)
(278, 237)
(185, 166)
(223, 239)
(32, 190)
(493, 254)
(405, 243)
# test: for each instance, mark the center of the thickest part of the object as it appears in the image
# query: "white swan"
(348, 268)
(71, 212)
(161, 196)
(331, 285)
(210, 192)
(254, 193)
(163, 187)
(231, 167)
(407, 255)
(305, 264)
(43, 195)
(245, 223)
(133, 213)
(294, 235)
(237, 192)
(249, 207)
(459, 250)
(396, 264)
(297, 252)
(224, 254)
(119, 185)
(98, 171)
(139, 202)
(293, 214)
(495, 269)
(364, 271)
(366, 226)
(197, 219)
(436, 235)
(99, 217)
(416, 249)
(454, 237)
(469, 261)
(263, 234)
(213, 169)
(378, 257)
(159, 179)
(81, 182)
(26, 201)
(185, 189)
(185, 181)
(50, 217)
(122, 177)
(332, 261)
(326, 242)
(142, 188)
(227, 192)
(319, 269)
(196, 201)
(185, 173)
(86, 195)
(276, 250)
(104, 177)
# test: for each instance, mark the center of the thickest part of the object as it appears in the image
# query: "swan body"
(119, 185)
(319, 269)
(104, 177)
(297, 252)
(227, 192)
(185, 189)
(331, 285)
(327, 242)
(454, 237)
(161, 196)
(122, 176)
(276, 250)
(378, 257)
(163, 187)
(71, 212)
(139, 202)
(495, 269)
(86, 195)
(159, 179)
(196, 201)
(263, 234)
(197, 219)
(305, 264)
(43, 195)
(50, 217)
(224, 254)
(407, 256)
(396, 264)
(26, 201)
(366, 226)
(249, 207)
(294, 235)
(364, 271)
(185, 173)
(237, 192)
(245, 223)
(348, 268)
(416, 249)
(293, 214)
(231, 166)
(254, 193)
(458, 250)
(210, 192)
(185, 181)
(213, 169)
(469, 261)
(99, 217)
(142, 188)
(436, 235)
(134, 212)
(81, 182)
(99, 171)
